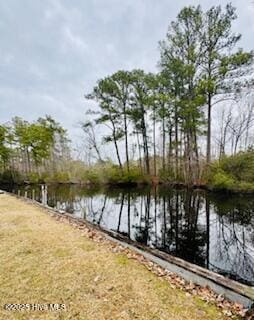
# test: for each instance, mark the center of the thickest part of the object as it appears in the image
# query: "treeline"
(167, 116)
(29, 151)
(159, 125)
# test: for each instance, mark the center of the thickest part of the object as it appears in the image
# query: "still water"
(215, 231)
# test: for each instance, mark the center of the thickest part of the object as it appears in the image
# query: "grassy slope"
(45, 261)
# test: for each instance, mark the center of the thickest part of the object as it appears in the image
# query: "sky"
(52, 52)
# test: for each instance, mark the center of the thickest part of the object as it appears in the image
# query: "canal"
(212, 230)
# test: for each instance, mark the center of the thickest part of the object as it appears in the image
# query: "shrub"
(10, 177)
(222, 181)
(134, 176)
(240, 165)
(61, 177)
(169, 175)
(114, 175)
(245, 186)
(91, 176)
(233, 173)
(34, 177)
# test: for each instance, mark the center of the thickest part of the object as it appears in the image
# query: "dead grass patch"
(46, 261)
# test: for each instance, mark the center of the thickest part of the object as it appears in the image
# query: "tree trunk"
(176, 144)
(169, 146)
(145, 142)
(163, 144)
(28, 161)
(154, 145)
(208, 150)
(126, 139)
(197, 173)
(140, 157)
(116, 146)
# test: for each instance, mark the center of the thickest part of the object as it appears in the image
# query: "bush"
(91, 176)
(10, 177)
(113, 174)
(222, 181)
(61, 177)
(233, 173)
(169, 175)
(240, 165)
(134, 176)
(34, 177)
(246, 186)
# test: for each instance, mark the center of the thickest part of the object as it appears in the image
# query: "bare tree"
(88, 129)
(241, 126)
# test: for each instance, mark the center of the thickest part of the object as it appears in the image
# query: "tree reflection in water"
(210, 230)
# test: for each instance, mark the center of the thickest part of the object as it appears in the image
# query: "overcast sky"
(53, 51)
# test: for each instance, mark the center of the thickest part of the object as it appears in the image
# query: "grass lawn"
(43, 260)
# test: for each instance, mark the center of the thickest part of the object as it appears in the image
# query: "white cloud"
(74, 40)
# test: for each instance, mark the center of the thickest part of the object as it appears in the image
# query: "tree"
(121, 82)
(5, 151)
(36, 141)
(159, 107)
(218, 65)
(140, 101)
(181, 54)
(198, 63)
(109, 114)
(88, 128)
(112, 93)
(55, 137)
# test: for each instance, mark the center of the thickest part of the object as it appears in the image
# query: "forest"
(157, 127)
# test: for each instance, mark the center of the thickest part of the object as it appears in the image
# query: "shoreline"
(203, 277)
(173, 185)
(50, 258)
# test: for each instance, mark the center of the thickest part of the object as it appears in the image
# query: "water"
(214, 231)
